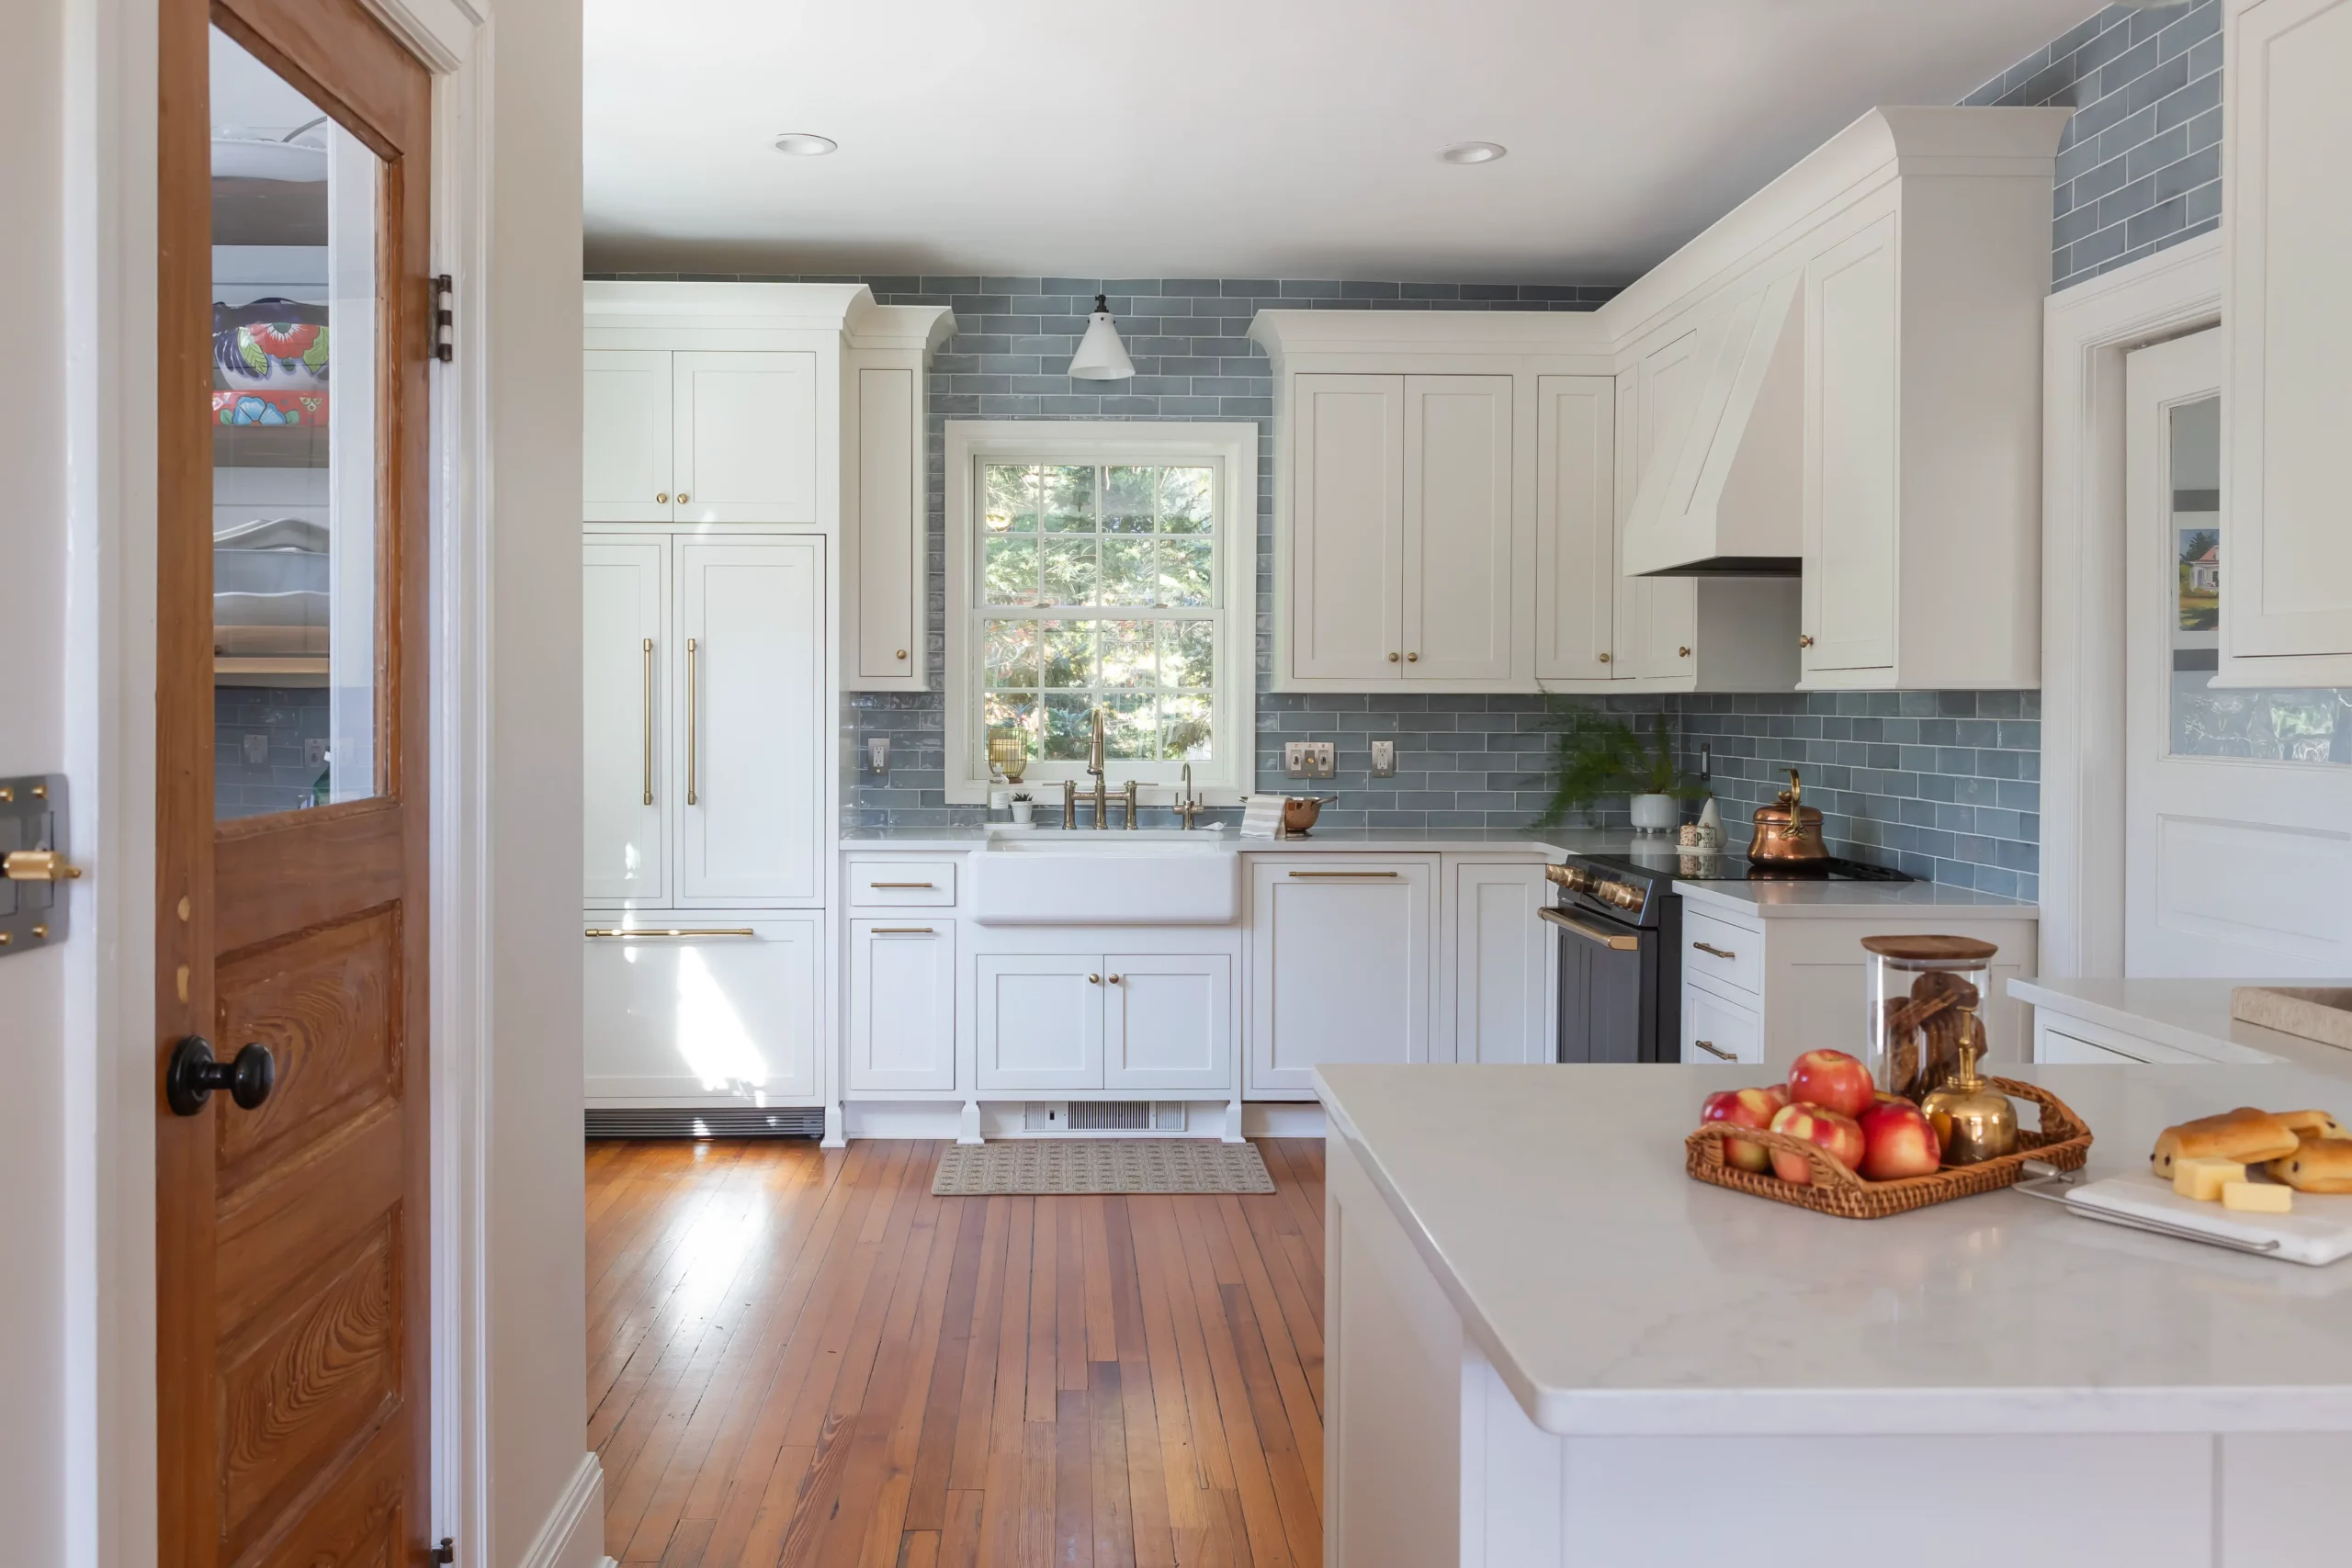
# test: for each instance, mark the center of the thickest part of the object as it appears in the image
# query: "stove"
(1675, 864)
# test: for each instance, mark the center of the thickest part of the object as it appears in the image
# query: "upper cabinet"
(2287, 553)
(886, 514)
(702, 437)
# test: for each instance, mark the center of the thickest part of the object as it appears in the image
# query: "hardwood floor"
(799, 1356)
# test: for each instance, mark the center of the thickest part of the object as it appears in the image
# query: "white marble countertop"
(2188, 1015)
(1323, 841)
(1616, 1296)
(1854, 900)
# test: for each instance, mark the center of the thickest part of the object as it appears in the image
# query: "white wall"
(33, 1350)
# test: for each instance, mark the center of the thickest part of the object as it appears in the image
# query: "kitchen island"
(1544, 1343)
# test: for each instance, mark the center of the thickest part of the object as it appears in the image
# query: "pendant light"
(1101, 355)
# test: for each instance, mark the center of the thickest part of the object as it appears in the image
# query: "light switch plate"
(256, 748)
(1384, 759)
(1310, 759)
(314, 751)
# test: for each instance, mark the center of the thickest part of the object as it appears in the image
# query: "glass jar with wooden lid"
(1925, 996)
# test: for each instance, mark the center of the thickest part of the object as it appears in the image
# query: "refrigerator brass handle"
(1710, 1047)
(649, 721)
(1331, 875)
(1709, 947)
(901, 930)
(693, 667)
(632, 932)
(1615, 941)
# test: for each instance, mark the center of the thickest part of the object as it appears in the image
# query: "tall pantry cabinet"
(750, 448)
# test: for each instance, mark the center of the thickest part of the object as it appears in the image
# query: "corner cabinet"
(2287, 554)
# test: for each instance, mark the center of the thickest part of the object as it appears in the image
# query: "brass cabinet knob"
(1392, 659)
(661, 500)
(1602, 657)
(1094, 979)
(902, 653)
(1805, 639)
(1115, 979)
(1684, 652)
(1412, 658)
(682, 498)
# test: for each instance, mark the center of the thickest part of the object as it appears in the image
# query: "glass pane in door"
(2286, 725)
(296, 205)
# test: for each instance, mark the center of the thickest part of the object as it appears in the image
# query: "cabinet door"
(746, 437)
(625, 807)
(2287, 554)
(883, 530)
(1849, 478)
(1458, 533)
(1341, 963)
(1347, 527)
(1168, 1021)
(750, 683)
(1657, 617)
(1576, 526)
(1502, 976)
(625, 456)
(1716, 1031)
(902, 1004)
(1038, 1018)
(725, 1014)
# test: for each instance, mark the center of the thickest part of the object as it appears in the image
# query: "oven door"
(1608, 989)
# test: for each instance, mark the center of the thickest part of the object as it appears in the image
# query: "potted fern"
(1597, 754)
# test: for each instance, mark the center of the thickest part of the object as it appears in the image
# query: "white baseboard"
(1278, 1119)
(940, 1119)
(573, 1533)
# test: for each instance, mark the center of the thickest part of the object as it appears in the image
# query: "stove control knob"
(1625, 895)
(1575, 878)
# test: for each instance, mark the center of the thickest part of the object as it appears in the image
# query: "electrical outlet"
(257, 750)
(314, 752)
(877, 754)
(1310, 759)
(1384, 759)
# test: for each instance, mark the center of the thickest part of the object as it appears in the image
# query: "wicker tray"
(2061, 1140)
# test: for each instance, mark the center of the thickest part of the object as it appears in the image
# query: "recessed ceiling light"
(1471, 153)
(805, 144)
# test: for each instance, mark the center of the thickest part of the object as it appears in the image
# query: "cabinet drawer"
(1715, 1030)
(901, 884)
(1723, 953)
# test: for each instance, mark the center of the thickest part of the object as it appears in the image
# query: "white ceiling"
(1235, 138)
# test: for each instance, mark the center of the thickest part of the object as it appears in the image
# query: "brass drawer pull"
(1709, 1047)
(903, 885)
(903, 931)
(1327, 875)
(635, 932)
(1718, 952)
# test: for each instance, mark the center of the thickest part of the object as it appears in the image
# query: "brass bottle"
(1974, 1121)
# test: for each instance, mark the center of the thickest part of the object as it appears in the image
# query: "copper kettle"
(1788, 832)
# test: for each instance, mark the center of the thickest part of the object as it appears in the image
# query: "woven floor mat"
(1018, 1166)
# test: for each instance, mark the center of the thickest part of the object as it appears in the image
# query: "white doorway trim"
(2087, 332)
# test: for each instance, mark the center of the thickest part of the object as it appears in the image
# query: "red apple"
(1745, 1108)
(1839, 1137)
(1832, 1080)
(1897, 1141)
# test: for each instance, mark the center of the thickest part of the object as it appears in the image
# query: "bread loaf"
(2312, 1124)
(2320, 1165)
(2247, 1135)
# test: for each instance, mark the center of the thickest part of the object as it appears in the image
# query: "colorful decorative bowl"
(271, 345)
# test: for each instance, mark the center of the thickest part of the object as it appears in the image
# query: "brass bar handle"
(649, 721)
(1615, 941)
(1710, 1047)
(932, 885)
(1709, 947)
(902, 930)
(1330, 876)
(633, 933)
(693, 667)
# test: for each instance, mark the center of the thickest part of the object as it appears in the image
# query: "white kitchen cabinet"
(1459, 545)
(902, 1004)
(751, 625)
(625, 713)
(1341, 964)
(1501, 971)
(744, 441)
(884, 527)
(1850, 584)
(1657, 617)
(625, 455)
(1347, 529)
(2287, 553)
(2056, 1045)
(721, 1013)
(1717, 1030)
(1039, 1021)
(1576, 526)
(1168, 1021)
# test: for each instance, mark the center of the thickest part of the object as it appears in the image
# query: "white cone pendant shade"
(1101, 355)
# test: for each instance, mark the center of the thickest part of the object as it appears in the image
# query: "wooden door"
(902, 1003)
(884, 525)
(1168, 1022)
(1850, 457)
(716, 1009)
(292, 1244)
(745, 437)
(749, 684)
(1340, 965)
(625, 459)
(1576, 526)
(1038, 1019)
(1459, 536)
(1347, 529)
(624, 712)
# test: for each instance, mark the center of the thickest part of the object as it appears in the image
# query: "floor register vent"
(713, 1122)
(1104, 1116)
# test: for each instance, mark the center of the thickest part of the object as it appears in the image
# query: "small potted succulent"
(1597, 754)
(1025, 810)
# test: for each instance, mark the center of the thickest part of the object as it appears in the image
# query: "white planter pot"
(1653, 813)
(1023, 811)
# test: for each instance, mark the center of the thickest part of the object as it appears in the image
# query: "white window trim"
(1233, 446)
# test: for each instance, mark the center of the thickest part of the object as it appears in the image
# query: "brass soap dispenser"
(1974, 1121)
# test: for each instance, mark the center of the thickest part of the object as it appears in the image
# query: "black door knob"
(194, 1074)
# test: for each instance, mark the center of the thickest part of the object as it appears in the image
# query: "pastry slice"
(2312, 1124)
(2246, 1134)
(2320, 1165)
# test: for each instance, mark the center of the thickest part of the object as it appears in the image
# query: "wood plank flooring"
(801, 1357)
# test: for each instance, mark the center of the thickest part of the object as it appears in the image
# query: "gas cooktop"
(1697, 865)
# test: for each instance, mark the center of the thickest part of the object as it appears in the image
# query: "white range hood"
(1725, 498)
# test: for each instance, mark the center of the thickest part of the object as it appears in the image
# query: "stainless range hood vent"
(1723, 494)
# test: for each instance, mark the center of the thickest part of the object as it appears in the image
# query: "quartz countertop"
(1616, 1296)
(1326, 841)
(1831, 900)
(2188, 1015)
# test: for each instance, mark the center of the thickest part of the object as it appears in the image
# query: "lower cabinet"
(710, 1008)
(902, 1004)
(1039, 1019)
(1341, 964)
(1502, 977)
(1715, 1030)
(1104, 1020)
